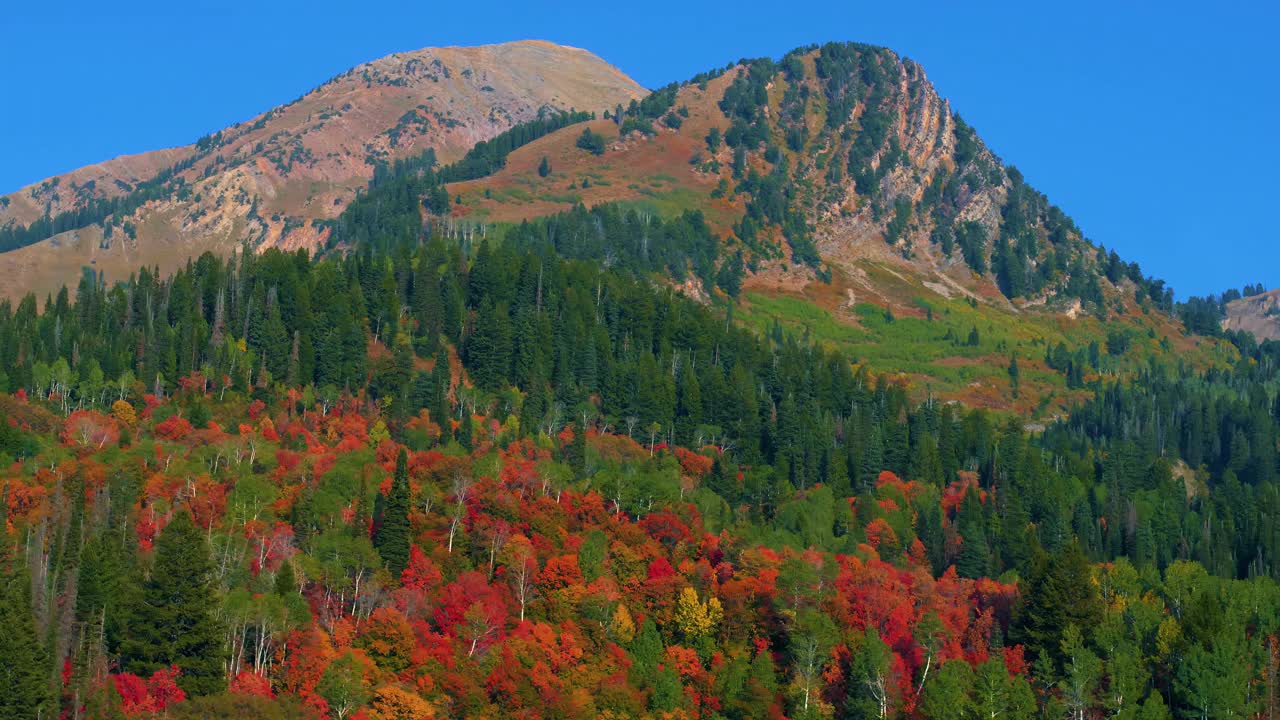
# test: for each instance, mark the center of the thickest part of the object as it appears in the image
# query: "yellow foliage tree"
(624, 628)
(392, 702)
(694, 618)
(124, 412)
(378, 434)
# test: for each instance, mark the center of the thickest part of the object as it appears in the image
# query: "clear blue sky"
(1155, 125)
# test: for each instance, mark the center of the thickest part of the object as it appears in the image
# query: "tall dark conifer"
(392, 540)
(175, 621)
(24, 664)
(975, 552)
(1060, 593)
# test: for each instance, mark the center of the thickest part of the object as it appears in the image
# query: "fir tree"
(24, 665)
(440, 408)
(465, 430)
(286, 581)
(575, 453)
(174, 623)
(1061, 593)
(489, 347)
(392, 540)
(974, 550)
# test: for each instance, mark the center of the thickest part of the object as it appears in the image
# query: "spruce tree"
(440, 408)
(1061, 593)
(465, 429)
(575, 453)
(286, 580)
(24, 684)
(392, 540)
(174, 623)
(974, 560)
(489, 347)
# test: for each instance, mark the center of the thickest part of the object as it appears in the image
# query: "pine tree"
(440, 409)
(872, 457)
(1061, 593)
(974, 560)
(275, 343)
(24, 666)
(489, 347)
(575, 453)
(286, 580)
(392, 540)
(762, 685)
(174, 623)
(465, 430)
(689, 407)
(646, 654)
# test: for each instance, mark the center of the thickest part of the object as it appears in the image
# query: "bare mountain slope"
(264, 181)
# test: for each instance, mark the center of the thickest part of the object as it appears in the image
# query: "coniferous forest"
(518, 473)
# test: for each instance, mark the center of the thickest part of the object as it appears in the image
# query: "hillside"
(408, 483)
(266, 181)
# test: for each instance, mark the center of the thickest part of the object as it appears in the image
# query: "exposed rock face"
(267, 180)
(1258, 314)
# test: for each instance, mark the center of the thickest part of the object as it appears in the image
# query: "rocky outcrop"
(1257, 314)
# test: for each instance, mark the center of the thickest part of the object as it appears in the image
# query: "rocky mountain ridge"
(268, 180)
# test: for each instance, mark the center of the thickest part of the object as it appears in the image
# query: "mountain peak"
(269, 180)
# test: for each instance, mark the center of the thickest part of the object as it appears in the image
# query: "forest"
(540, 471)
(505, 480)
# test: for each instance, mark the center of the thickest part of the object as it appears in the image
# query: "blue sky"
(1155, 125)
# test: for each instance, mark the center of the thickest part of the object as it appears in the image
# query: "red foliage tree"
(173, 428)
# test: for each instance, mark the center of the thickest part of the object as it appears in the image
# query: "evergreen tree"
(1061, 593)
(575, 453)
(975, 553)
(646, 654)
(392, 540)
(286, 580)
(466, 427)
(24, 665)
(489, 347)
(174, 622)
(440, 408)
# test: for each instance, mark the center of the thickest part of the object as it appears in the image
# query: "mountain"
(679, 412)
(854, 193)
(849, 201)
(1258, 314)
(267, 181)
(835, 155)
